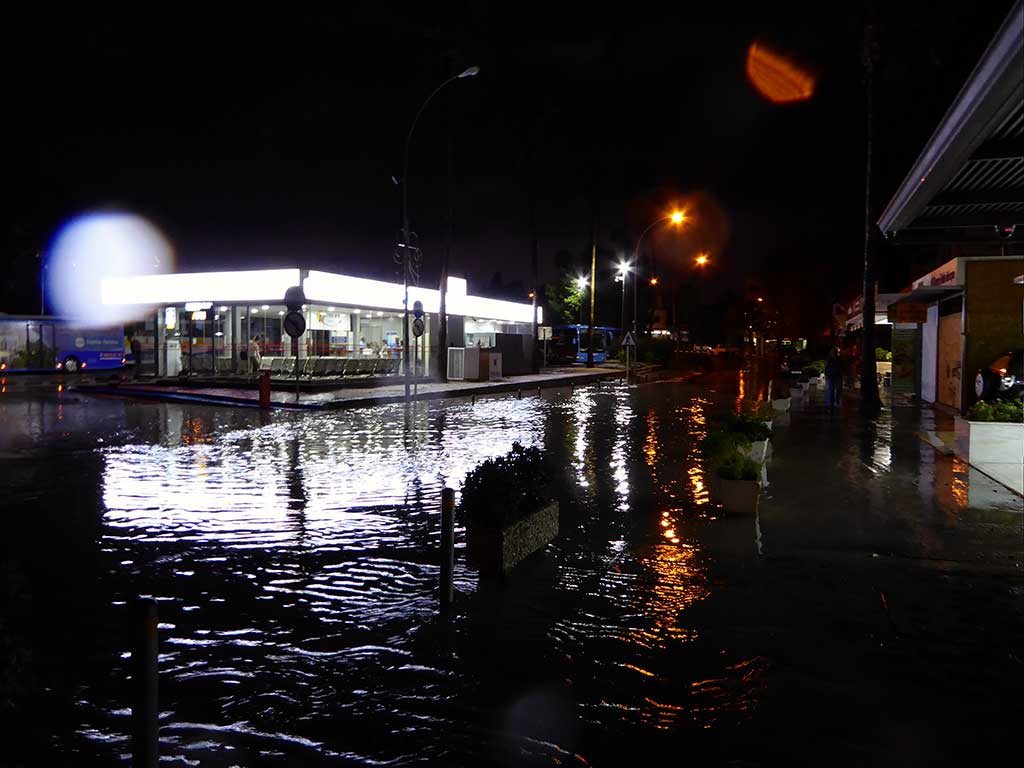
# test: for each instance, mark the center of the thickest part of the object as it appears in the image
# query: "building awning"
(928, 294)
(971, 171)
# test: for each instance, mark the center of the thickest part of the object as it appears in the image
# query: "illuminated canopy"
(269, 286)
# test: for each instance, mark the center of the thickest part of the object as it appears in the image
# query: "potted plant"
(991, 439)
(507, 510)
(782, 396)
(738, 486)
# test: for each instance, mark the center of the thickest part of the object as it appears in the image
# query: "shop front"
(230, 323)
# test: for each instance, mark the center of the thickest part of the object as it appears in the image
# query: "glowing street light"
(624, 270)
(677, 217)
(702, 259)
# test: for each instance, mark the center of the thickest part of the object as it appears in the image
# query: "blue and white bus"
(34, 343)
(568, 343)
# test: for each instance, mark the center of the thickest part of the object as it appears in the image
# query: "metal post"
(145, 703)
(590, 332)
(447, 546)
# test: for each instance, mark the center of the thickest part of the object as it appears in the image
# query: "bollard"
(538, 391)
(145, 702)
(265, 389)
(474, 399)
(447, 546)
(520, 395)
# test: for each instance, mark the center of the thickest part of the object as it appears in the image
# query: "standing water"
(294, 560)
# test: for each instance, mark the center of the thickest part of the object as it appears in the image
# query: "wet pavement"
(360, 394)
(873, 613)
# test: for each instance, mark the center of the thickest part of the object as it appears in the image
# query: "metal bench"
(275, 365)
(266, 363)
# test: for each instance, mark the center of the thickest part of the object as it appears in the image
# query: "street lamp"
(676, 217)
(624, 269)
(701, 260)
(406, 234)
(581, 286)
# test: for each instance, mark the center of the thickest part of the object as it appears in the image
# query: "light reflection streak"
(623, 415)
(240, 488)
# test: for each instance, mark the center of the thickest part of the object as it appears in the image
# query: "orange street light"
(702, 260)
(677, 217)
(759, 299)
(654, 281)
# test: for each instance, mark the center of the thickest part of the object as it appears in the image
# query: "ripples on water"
(293, 560)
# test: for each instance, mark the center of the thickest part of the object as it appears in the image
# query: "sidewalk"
(353, 397)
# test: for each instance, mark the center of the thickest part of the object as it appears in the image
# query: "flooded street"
(873, 613)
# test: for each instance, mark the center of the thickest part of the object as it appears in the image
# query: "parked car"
(1003, 378)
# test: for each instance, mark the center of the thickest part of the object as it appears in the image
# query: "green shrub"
(817, 368)
(507, 488)
(738, 467)
(719, 445)
(757, 410)
(1001, 410)
(882, 354)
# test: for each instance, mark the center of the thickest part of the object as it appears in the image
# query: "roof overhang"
(268, 286)
(928, 294)
(971, 171)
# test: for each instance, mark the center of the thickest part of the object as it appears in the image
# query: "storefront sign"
(947, 274)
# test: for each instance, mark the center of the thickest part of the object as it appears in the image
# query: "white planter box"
(758, 451)
(996, 448)
(782, 404)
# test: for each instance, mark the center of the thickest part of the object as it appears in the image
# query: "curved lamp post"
(406, 234)
(676, 217)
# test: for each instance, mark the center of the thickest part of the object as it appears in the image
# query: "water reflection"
(294, 561)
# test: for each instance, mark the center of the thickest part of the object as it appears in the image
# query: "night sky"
(267, 139)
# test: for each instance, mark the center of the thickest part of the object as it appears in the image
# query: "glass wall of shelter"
(233, 339)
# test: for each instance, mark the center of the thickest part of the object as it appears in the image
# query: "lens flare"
(777, 78)
(95, 246)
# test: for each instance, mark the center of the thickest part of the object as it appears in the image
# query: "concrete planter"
(758, 451)
(782, 404)
(996, 448)
(739, 496)
(496, 551)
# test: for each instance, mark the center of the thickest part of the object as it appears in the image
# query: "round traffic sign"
(294, 324)
(417, 327)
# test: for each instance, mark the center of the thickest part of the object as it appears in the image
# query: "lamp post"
(624, 268)
(581, 286)
(406, 233)
(677, 218)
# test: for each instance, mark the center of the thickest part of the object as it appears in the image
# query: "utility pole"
(532, 205)
(593, 266)
(871, 403)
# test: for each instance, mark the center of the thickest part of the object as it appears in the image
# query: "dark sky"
(270, 138)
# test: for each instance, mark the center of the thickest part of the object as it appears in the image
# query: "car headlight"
(1005, 382)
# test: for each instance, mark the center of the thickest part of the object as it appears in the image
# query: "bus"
(568, 343)
(36, 343)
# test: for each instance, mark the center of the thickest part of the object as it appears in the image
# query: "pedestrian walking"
(833, 378)
(254, 354)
